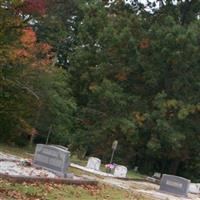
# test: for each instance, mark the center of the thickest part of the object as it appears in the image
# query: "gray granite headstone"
(53, 158)
(175, 185)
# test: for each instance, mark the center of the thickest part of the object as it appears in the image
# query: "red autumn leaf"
(34, 6)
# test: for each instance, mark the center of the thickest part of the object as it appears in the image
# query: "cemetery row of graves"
(50, 165)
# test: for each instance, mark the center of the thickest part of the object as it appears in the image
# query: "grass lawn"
(130, 174)
(23, 152)
(135, 175)
(49, 191)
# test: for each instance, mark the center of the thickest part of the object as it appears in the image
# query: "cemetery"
(99, 99)
(50, 164)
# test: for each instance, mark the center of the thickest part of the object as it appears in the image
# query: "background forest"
(90, 72)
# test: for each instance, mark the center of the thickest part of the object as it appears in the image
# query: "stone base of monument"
(68, 181)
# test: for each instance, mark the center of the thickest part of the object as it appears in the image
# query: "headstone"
(155, 178)
(120, 171)
(53, 158)
(194, 188)
(157, 175)
(94, 163)
(135, 169)
(175, 185)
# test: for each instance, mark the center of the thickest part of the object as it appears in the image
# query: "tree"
(136, 80)
(27, 73)
(129, 72)
(58, 28)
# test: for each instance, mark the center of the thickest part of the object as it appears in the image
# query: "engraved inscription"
(56, 163)
(174, 184)
(42, 158)
(50, 152)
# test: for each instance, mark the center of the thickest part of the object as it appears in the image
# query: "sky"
(143, 2)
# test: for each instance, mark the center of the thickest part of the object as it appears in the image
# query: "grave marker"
(157, 175)
(194, 188)
(53, 158)
(120, 171)
(175, 185)
(94, 163)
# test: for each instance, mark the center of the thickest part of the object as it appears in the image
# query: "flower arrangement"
(109, 167)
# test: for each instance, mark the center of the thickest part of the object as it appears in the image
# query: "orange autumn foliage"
(28, 38)
(121, 76)
(21, 53)
(144, 44)
(45, 47)
(38, 55)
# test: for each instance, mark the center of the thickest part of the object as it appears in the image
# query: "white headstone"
(94, 163)
(157, 175)
(194, 188)
(120, 171)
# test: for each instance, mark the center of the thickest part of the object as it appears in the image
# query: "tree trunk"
(174, 166)
(31, 140)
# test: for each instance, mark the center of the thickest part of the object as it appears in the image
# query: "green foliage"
(130, 75)
(34, 94)
(57, 106)
(57, 28)
(137, 82)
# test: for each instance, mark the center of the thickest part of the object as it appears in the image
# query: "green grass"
(131, 173)
(135, 175)
(23, 152)
(62, 192)
(78, 161)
